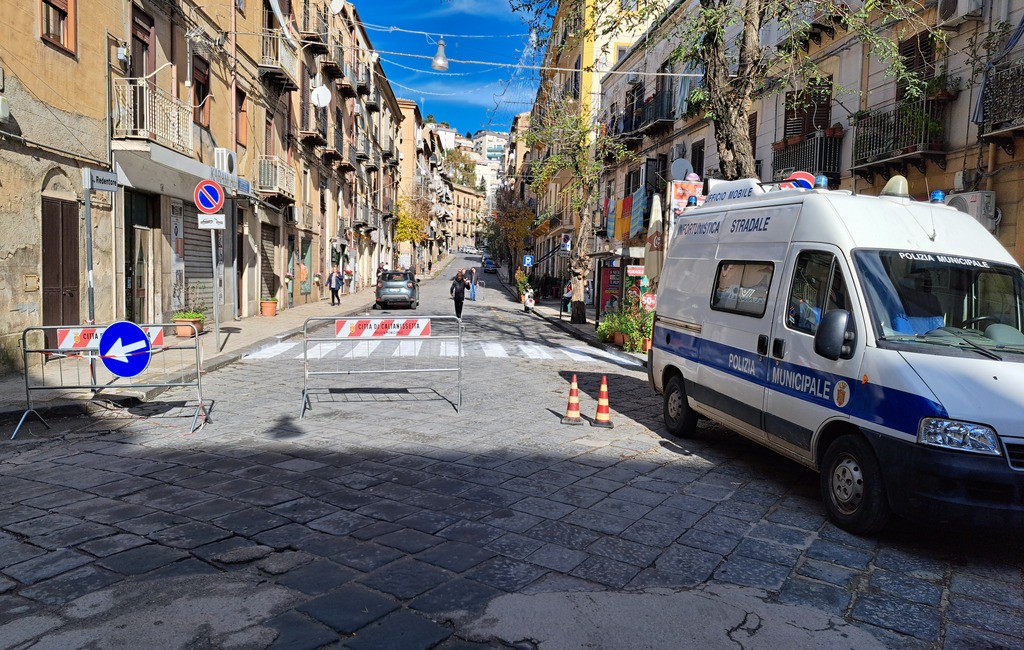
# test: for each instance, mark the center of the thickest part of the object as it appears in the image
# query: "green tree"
(508, 231)
(461, 167)
(578, 153)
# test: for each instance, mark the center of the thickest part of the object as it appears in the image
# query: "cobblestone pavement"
(384, 519)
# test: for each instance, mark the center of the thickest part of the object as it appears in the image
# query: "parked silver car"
(397, 288)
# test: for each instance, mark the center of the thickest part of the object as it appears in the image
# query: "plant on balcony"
(858, 116)
(834, 131)
(942, 88)
(792, 140)
(779, 145)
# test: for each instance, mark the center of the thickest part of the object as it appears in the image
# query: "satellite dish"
(320, 96)
(680, 168)
(337, 6)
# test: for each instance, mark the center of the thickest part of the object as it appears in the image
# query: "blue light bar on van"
(821, 182)
(937, 196)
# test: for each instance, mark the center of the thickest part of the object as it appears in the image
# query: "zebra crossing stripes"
(363, 349)
(271, 351)
(492, 349)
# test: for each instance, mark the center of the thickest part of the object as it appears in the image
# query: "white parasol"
(654, 247)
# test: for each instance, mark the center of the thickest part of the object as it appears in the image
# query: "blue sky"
(469, 96)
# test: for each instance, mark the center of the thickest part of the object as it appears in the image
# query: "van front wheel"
(680, 419)
(852, 486)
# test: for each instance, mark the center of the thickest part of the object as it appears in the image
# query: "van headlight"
(958, 435)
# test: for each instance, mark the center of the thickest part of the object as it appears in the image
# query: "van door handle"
(778, 348)
(762, 345)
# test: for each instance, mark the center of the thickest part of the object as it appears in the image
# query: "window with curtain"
(57, 23)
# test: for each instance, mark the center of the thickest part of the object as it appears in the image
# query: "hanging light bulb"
(440, 61)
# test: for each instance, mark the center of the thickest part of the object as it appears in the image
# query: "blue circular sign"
(125, 349)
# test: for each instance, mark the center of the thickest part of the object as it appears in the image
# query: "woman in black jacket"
(458, 291)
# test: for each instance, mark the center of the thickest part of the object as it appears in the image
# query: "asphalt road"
(386, 519)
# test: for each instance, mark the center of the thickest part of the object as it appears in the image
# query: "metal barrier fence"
(70, 355)
(357, 346)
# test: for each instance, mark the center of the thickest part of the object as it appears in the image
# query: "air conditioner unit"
(291, 214)
(632, 78)
(980, 205)
(953, 12)
(226, 161)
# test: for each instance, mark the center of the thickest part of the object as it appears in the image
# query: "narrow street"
(384, 519)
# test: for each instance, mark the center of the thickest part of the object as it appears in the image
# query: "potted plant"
(190, 316)
(794, 140)
(857, 116)
(835, 131)
(941, 87)
(522, 282)
(268, 306)
(779, 145)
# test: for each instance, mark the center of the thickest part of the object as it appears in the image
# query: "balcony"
(312, 124)
(373, 101)
(1003, 105)
(335, 149)
(307, 217)
(344, 84)
(278, 61)
(362, 148)
(314, 26)
(143, 111)
(419, 144)
(659, 113)
(389, 149)
(887, 140)
(330, 63)
(626, 126)
(817, 153)
(275, 178)
(373, 161)
(362, 80)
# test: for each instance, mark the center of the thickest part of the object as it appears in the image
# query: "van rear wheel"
(680, 419)
(852, 486)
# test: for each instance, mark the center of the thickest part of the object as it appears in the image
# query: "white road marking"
(271, 351)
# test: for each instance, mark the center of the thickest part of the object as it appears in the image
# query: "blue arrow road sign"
(125, 349)
(527, 261)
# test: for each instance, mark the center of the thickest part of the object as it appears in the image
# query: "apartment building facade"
(284, 103)
(856, 125)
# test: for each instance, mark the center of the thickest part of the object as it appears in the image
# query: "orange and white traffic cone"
(572, 412)
(604, 416)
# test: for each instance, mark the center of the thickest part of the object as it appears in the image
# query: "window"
(742, 287)
(200, 91)
(918, 54)
(809, 109)
(817, 287)
(620, 52)
(697, 156)
(241, 118)
(268, 136)
(57, 23)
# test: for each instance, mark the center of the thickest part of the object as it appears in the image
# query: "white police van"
(877, 340)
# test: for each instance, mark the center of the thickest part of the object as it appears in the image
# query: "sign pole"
(216, 289)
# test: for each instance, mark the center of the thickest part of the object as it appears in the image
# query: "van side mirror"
(834, 337)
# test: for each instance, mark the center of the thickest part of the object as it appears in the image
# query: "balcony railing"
(345, 83)
(373, 101)
(905, 132)
(278, 61)
(150, 113)
(274, 176)
(330, 63)
(314, 26)
(363, 80)
(335, 148)
(659, 111)
(373, 161)
(362, 148)
(312, 124)
(389, 148)
(1003, 104)
(817, 154)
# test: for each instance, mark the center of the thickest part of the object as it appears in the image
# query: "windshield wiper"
(981, 350)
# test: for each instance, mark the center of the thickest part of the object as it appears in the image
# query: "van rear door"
(803, 389)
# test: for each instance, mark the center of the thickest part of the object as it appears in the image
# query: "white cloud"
(490, 9)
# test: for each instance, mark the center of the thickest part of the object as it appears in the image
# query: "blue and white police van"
(877, 340)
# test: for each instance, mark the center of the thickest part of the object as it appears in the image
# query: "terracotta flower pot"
(268, 307)
(183, 328)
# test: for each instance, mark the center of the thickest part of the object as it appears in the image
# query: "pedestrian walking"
(472, 283)
(458, 291)
(380, 270)
(334, 283)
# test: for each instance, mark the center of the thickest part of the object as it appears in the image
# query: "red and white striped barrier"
(382, 328)
(88, 338)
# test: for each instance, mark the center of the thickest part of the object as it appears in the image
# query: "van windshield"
(942, 299)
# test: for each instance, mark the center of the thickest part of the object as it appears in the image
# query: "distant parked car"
(397, 288)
